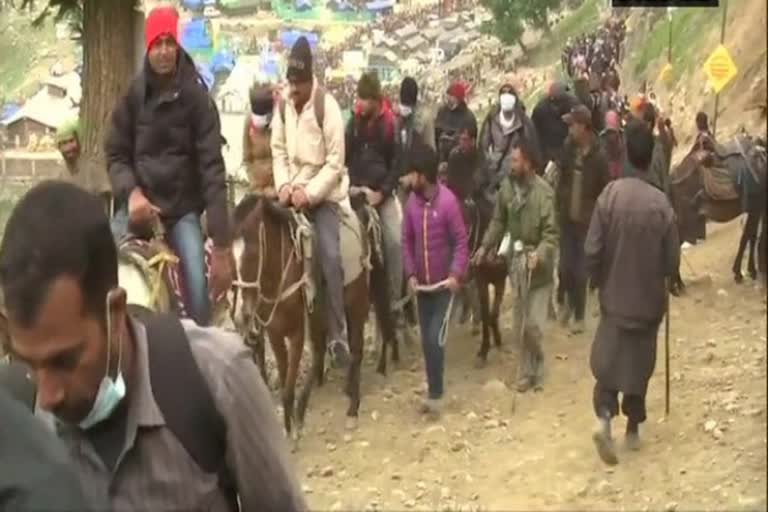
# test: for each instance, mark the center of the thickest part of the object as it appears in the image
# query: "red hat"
(458, 90)
(160, 22)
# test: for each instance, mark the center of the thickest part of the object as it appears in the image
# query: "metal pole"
(669, 44)
(722, 40)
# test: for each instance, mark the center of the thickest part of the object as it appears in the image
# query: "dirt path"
(709, 454)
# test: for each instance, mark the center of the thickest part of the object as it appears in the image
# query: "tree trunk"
(523, 48)
(108, 67)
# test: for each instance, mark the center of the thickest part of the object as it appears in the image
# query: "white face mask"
(261, 121)
(508, 102)
(111, 392)
(405, 110)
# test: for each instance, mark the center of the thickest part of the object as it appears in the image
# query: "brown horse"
(721, 185)
(273, 279)
(491, 272)
(379, 283)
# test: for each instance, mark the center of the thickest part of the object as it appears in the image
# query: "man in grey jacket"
(633, 227)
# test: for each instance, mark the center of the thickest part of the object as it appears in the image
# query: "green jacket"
(531, 220)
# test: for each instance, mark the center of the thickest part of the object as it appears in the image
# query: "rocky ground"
(710, 453)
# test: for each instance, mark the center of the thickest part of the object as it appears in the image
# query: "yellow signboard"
(666, 72)
(720, 68)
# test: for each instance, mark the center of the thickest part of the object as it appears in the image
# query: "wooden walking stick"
(523, 290)
(666, 354)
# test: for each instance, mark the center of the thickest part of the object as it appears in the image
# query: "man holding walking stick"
(435, 257)
(631, 249)
(524, 212)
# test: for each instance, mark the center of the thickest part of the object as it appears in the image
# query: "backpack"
(319, 107)
(194, 421)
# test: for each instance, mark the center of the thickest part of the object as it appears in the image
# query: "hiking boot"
(632, 437)
(604, 443)
(524, 384)
(339, 352)
(431, 407)
(577, 327)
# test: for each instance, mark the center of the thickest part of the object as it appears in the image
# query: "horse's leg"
(498, 296)
(318, 334)
(356, 296)
(295, 351)
(277, 341)
(737, 275)
(485, 316)
(255, 341)
(753, 223)
(380, 296)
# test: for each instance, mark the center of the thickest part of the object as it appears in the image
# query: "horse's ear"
(243, 212)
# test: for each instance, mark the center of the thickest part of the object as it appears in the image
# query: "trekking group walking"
(111, 388)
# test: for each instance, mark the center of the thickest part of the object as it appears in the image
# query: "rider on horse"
(165, 162)
(309, 171)
(370, 156)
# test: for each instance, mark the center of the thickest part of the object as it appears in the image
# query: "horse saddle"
(353, 246)
(149, 273)
(719, 184)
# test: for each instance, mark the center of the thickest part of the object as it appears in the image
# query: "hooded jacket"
(448, 125)
(497, 147)
(434, 241)
(370, 150)
(168, 144)
(307, 154)
(547, 117)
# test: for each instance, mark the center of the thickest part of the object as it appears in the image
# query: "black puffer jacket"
(168, 143)
(547, 117)
(448, 125)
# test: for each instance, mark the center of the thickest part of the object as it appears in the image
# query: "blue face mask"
(111, 392)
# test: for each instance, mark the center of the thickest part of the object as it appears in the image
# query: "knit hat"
(636, 104)
(458, 90)
(510, 80)
(67, 130)
(409, 92)
(579, 115)
(262, 100)
(369, 87)
(556, 89)
(300, 62)
(161, 21)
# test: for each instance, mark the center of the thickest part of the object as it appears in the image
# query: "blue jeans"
(432, 308)
(186, 239)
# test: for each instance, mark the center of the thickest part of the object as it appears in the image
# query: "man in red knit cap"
(452, 118)
(165, 161)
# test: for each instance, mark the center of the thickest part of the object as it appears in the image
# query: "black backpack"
(195, 421)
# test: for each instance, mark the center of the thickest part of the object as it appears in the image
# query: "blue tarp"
(195, 35)
(288, 38)
(223, 62)
(192, 5)
(206, 75)
(270, 65)
(380, 5)
(8, 110)
(303, 5)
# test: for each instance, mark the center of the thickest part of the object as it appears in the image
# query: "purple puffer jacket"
(434, 238)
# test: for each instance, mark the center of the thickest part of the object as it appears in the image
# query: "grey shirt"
(145, 467)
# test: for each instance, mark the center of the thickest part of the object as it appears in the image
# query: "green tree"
(106, 31)
(510, 17)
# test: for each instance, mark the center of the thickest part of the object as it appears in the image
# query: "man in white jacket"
(308, 165)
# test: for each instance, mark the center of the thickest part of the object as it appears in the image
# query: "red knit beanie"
(458, 90)
(160, 22)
